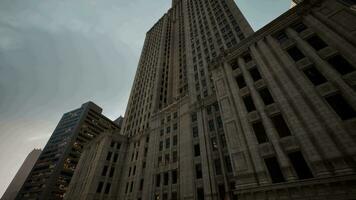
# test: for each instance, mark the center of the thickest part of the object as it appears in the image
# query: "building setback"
(52, 173)
(21, 175)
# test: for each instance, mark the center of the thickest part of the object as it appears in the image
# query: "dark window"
(247, 57)
(195, 132)
(219, 122)
(107, 188)
(295, 53)
(198, 171)
(160, 145)
(174, 159)
(112, 144)
(174, 196)
(255, 74)
(112, 171)
(250, 106)
(274, 170)
(165, 178)
(196, 150)
(141, 184)
(221, 188)
(175, 140)
(174, 176)
(214, 143)
(211, 125)
(194, 117)
(316, 42)
(208, 110)
(165, 196)
(168, 143)
(100, 187)
(281, 126)
(341, 106)
(241, 81)
(105, 169)
(108, 157)
(266, 96)
(299, 27)
(223, 140)
(131, 187)
(116, 157)
(217, 165)
(234, 64)
(341, 65)
(300, 165)
(200, 194)
(158, 180)
(281, 36)
(260, 132)
(228, 164)
(314, 76)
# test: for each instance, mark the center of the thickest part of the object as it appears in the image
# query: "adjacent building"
(53, 171)
(21, 175)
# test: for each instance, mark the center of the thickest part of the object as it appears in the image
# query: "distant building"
(52, 173)
(99, 172)
(21, 175)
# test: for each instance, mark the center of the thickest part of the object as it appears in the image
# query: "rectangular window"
(112, 171)
(165, 178)
(174, 176)
(108, 157)
(160, 145)
(116, 156)
(174, 156)
(255, 74)
(217, 165)
(250, 106)
(194, 117)
(240, 81)
(200, 194)
(174, 196)
(196, 150)
(168, 143)
(107, 188)
(175, 140)
(247, 57)
(314, 76)
(300, 165)
(299, 27)
(158, 180)
(228, 164)
(340, 64)
(211, 125)
(316, 42)
(141, 184)
(131, 187)
(274, 170)
(219, 122)
(165, 196)
(221, 189)
(266, 96)
(198, 171)
(214, 143)
(105, 169)
(295, 53)
(195, 132)
(100, 187)
(234, 64)
(281, 126)
(166, 158)
(223, 140)
(260, 132)
(341, 107)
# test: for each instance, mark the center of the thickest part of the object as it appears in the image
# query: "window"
(196, 150)
(247, 57)
(174, 159)
(341, 106)
(281, 126)
(165, 196)
(131, 187)
(250, 106)
(219, 122)
(118, 146)
(300, 165)
(274, 170)
(105, 169)
(158, 180)
(200, 194)
(299, 27)
(165, 178)
(281, 37)
(198, 171)
(221, 189)
(116, 157)
(316, 42)
(174, 176)
(260, 132)
(100, 187)
(295, 53)
(341, 65)
(214, 143)
(175, 140)
(266, 96)
(217, 165)
(166, 158)
(160, 145)
(194, 117)
(208, 110)
(141, 184)
(112, 144)
(255, 74)
(168, 143)
(223, 140)
(228, 164)
(195, 132)
(314, 76)
(107, 188)
(112, 171)
(174, 196)
(108, 157)
(240, 81)
(234, 64)
(211, 125)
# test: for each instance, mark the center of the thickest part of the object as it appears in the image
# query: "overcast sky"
(57, 54)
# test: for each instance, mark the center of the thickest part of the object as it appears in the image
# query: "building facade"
(21, 175)
(52, 173)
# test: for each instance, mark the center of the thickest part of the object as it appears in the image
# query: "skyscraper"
(21, 175)
(53, 171)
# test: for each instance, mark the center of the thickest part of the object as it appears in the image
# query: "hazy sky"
(57, 54)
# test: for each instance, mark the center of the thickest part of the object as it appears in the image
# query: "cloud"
(9, 39)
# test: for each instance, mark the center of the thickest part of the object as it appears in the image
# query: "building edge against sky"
(220, 112)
